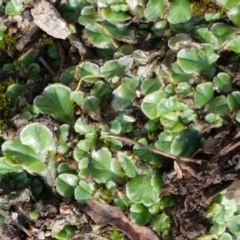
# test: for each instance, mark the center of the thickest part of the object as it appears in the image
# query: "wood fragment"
(104, 214)
(178, 170)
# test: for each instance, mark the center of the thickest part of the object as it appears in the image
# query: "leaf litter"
(47, 18)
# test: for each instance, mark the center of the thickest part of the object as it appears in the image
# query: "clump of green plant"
(178, 98)
(7, 41)
(6, 103)
(199, 8)
(225, 217)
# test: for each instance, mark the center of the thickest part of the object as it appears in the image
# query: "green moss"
(115, 235)
(199, 8)
(7, 41)
(6, 107)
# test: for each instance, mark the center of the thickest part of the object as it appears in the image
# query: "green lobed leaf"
(219, 217)
(89, 15)
(77, 97)
(139, 214)
(172, 121)
(121, 124)
(86, 69)
(150, 102)
(148, 156)
(155, 9)
(128, 164)
(7, 167)
(225, 236)
(180, 11)
(179, 40)
(67, 231)
(100, 89)
(208, 237)
(13, 8)
(214, 119)
(66, 183)
(150, 85)
(186, 143)
(111, 187)
(203, 94)
(188, 115)
(15, 91)
(115, 16)
(103, 167)
(233, 45)
(140, 56)
(186, 26)
(159, 28)
(178, 74)
(222, 82)
(39, 138)
(234, 224)
(161, 223)
(26, 59)
(233, 15)
(228, 3)
(207, 36)
(120, 7)
(183, 88)
(68, 75)
(212, 16)
(63, 134)
(233, 100)
(34, 70)
(223, 32)
(72, 10)
(118, 67)
(183, 143)
(122, 202)
(55, 100)
(198, 60)
(238, 116)
(84, 191)
(169, 105)
(119, 31)
(125, 94)
(99, 36)
(86, 144)
(218, 229)
(91, 104)
(23, 155)
(218, 105)
(49, 174)
(83, 128)
(144, 189)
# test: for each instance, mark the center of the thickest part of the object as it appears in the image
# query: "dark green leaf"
(55, 100)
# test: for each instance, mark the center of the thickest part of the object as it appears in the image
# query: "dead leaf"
(104, 214)
(46, 17)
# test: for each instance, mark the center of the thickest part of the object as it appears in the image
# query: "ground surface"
(37, 213)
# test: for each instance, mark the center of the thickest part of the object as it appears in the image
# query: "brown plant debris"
(49, 20)
(104, 214)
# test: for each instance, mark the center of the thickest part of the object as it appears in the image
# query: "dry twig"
(129, 141)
